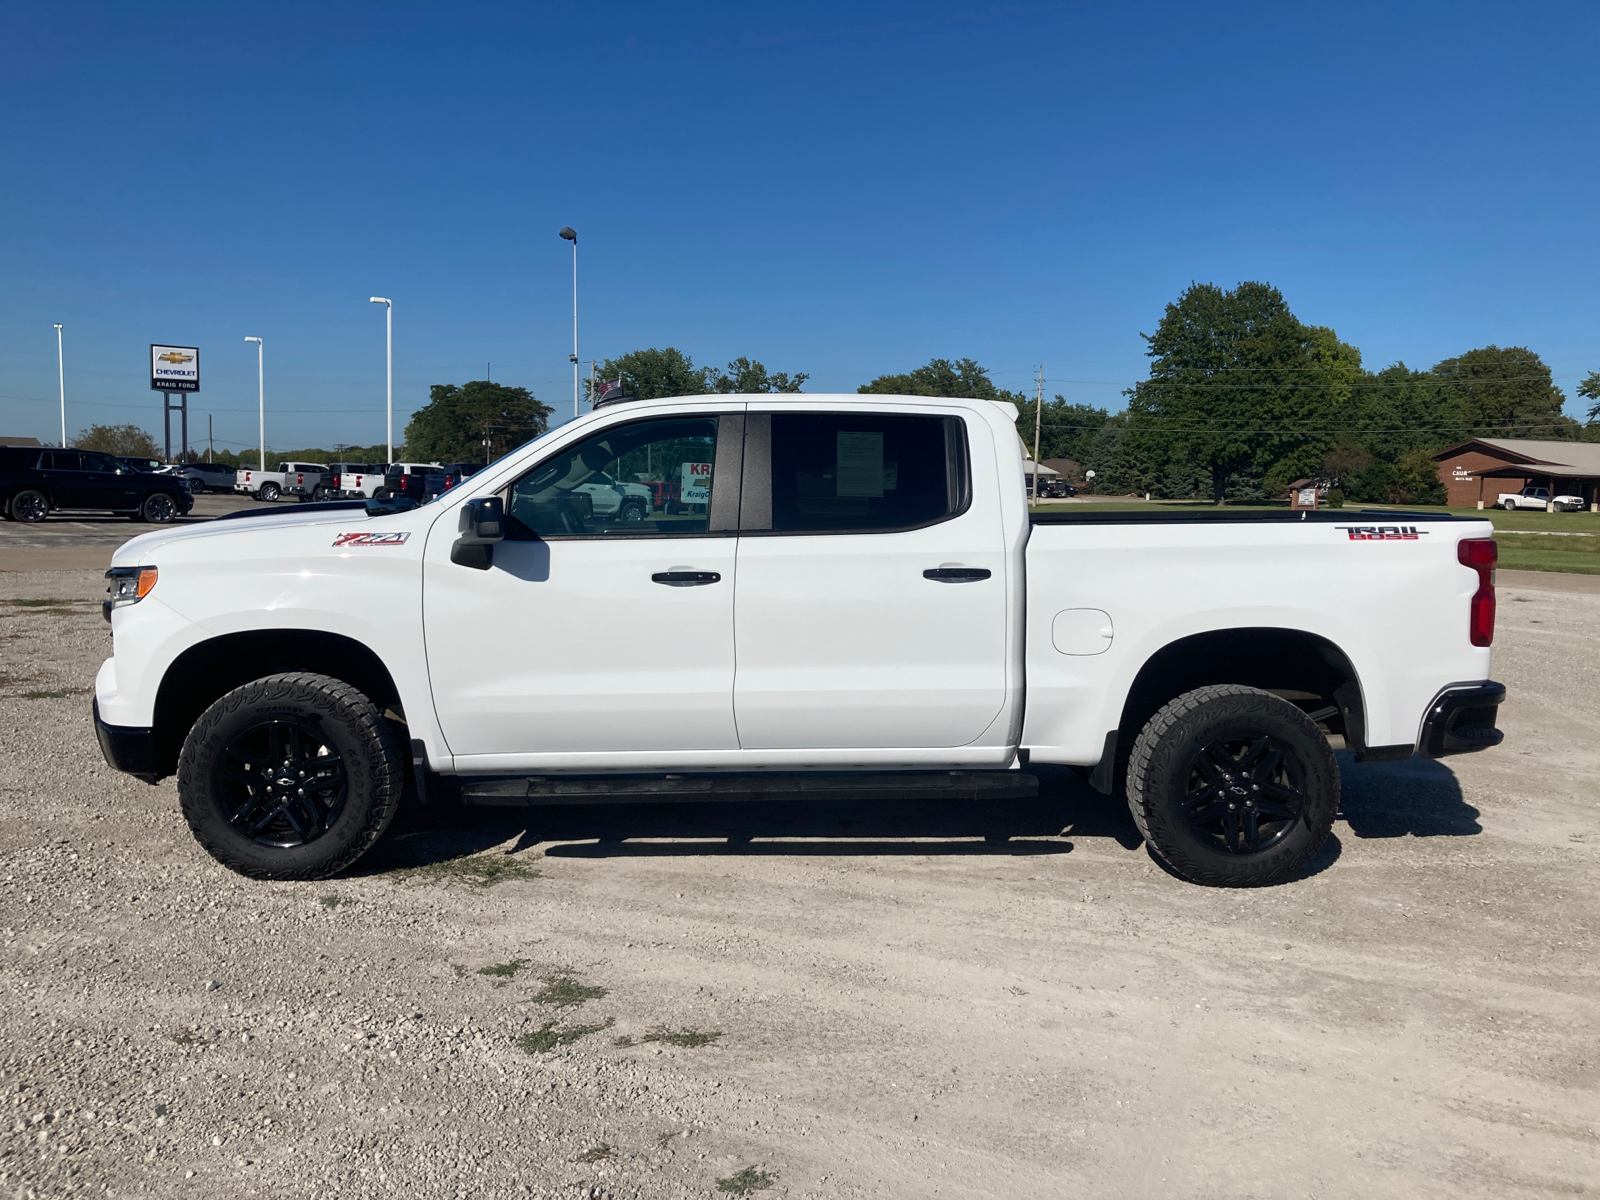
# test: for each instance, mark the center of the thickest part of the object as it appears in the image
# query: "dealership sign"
(174, 368)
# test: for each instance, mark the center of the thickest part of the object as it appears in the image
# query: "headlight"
(127, 585)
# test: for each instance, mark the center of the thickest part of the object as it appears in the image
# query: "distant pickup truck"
(857, 603)
(1539, 498)
(357, 481)
(269, 485)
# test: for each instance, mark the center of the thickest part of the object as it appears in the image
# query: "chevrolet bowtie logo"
(172, 356)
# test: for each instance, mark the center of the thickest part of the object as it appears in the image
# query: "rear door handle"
(956, 574)
(686, 578)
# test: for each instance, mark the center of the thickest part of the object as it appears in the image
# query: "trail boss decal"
(1383, 533)
(370, 539)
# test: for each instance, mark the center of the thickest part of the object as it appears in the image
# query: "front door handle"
(686, 578)
(956, 574)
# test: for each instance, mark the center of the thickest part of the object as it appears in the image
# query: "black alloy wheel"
(1244, 795)
(30, 505)
(197, 487)
(292, 776)
(158, 508)
(1233, 786)
(284, 785)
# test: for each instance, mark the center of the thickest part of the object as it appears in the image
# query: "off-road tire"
(1166, 752)
(355, 730)
(158, 508)
(269, 492)
(29, 505)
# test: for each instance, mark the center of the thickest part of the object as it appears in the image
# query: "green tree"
(942, 377)
(744, 376)
(127, 440)
(1506, 391)
(652, 374)
(1589, 389)
(475, 422)
(1237, 386)
(1066, 430)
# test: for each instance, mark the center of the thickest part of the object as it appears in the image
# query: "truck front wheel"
(294, 776)
(1233, 787)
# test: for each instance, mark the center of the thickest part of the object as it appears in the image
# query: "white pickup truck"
(1539, 498)
(269, 485)
(863, 606)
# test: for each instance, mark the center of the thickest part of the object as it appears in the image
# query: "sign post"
(175, 370)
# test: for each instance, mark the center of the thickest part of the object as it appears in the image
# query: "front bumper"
(129, 750)
(1461, 719)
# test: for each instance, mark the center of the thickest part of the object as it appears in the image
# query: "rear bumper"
(1461, 719)
(132, 751)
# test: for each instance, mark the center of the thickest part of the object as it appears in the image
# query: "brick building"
(1477, 471)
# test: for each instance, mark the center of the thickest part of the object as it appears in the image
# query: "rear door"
(871, 608)
(65, 479)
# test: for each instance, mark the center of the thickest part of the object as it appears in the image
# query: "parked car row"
(34, 482)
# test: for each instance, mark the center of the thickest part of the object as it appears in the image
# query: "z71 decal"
(371, 539)
(1383, 533)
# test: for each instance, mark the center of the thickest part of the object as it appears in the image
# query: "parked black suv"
(35, 482)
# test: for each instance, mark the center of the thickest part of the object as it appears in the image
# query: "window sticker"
(859, 469)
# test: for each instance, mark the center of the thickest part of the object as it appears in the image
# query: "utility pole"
(61, 374)
(571, 235)
(1038, 420)
(211, 442)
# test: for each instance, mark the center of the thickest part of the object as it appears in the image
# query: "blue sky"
(844, 190)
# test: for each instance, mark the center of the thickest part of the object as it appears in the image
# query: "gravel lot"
(902, 1004)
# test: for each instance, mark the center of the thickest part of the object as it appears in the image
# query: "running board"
(649, 789)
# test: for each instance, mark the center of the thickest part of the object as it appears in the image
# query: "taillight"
(1480, 554)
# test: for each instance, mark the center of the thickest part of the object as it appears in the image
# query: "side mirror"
(483, 523)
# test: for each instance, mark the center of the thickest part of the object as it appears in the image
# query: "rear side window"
(61, 460)
(862, 472)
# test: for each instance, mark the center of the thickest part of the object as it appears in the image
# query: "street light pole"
(61, 374)
(388, 308)
(571, 235)
(261, 395)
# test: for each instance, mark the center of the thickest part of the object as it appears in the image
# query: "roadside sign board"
(174, 368)
(695, 485)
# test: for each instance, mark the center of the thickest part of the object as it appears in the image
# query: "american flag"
(607, 389)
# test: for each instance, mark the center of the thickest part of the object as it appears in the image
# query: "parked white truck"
(862, 606)
(269, 485)
(1540, 499)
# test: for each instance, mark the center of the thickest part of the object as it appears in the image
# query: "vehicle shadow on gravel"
(1418, 796)
(1065, 807)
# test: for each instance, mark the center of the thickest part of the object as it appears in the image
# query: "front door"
(871, 609)
(594, 631)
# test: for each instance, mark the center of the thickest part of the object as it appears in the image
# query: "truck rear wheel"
(269, 491)
(1233, 787)
(293, 776)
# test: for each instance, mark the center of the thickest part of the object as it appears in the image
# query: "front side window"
(869, 472)
(100, 463)
(649, 478)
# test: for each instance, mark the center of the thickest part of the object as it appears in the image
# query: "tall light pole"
(571, 235)
(261, 394)
(61, 375)
(388, 309)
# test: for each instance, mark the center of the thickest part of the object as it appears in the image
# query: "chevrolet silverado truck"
(1539, 498)
(269, 485)
(862, 606)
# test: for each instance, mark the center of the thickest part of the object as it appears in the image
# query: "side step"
(648, 789)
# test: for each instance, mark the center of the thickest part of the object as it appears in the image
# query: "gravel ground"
(888, 1000)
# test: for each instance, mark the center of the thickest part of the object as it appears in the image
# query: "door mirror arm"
(483, 523)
